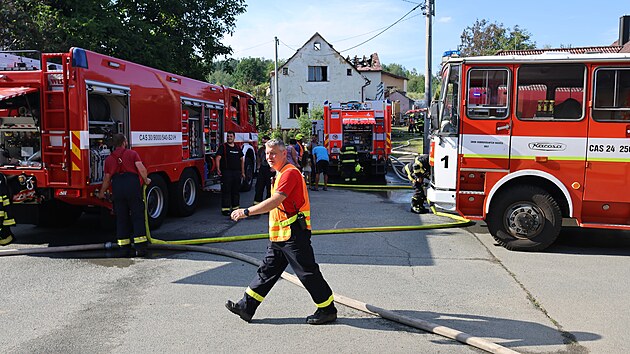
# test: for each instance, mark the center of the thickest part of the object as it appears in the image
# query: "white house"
(314, 74)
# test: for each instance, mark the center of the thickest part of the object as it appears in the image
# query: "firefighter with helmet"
(416, 172)
(349, 162)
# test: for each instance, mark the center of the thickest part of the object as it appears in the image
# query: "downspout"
(367, 83)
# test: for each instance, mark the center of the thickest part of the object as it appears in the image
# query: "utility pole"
(276, 95)
(429, 12)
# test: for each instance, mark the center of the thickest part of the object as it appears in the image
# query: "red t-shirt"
(290, 184)
(121, 161)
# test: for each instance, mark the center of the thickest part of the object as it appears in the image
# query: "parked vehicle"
(525, 141)
(365, 125)
(57, 120)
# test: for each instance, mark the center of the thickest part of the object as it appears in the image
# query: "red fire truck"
(57, 120)
(525, 141)
(365, 125)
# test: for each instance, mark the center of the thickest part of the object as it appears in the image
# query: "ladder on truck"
(54, 122)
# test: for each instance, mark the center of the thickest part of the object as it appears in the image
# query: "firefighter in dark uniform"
(290, 242)
(263, 181)
(416, 172)
(349, 163)
(124, 170)
(6, 236)
(231, 167)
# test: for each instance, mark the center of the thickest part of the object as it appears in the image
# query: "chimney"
(624, 29)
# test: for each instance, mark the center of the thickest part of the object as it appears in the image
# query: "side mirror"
(434, 112)
(261, 113)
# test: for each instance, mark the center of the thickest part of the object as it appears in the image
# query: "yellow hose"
(460, 221)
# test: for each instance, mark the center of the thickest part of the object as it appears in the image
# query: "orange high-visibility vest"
(279, 221)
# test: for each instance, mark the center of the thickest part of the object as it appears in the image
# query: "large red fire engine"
(365, 125)
(525, 141)
(57, 120)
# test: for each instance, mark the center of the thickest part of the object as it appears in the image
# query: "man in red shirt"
(290, 241)
(124, 169)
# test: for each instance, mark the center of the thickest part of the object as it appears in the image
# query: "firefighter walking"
(123, 170)
(416, 172)
(231, 167)
(290, 242)
(6, 236)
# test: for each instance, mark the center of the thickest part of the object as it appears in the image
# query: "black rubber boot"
(244, 308)
(139, 249)
(323, 315)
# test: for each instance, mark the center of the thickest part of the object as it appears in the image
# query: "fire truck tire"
(525, 218)
(185, 194)
(157, 201)
(246, 186)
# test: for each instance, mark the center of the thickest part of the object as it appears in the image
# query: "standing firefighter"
(231, 168)
(290, 242)
(263, 181)
(6, 236)
(123, 170)
(416, 172)
(349, 163)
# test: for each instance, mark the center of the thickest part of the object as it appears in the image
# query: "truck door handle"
(501, 127)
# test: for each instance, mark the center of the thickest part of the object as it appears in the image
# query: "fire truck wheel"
(184, 194)
(524, 218)
(157, 201)
(246, 186)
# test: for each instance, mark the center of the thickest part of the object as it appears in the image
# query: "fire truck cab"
(525, 141)
(365, 125)
(57, 120)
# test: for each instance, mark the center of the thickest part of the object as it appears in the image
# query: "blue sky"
(347, 23)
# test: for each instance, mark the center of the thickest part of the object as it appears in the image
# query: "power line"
(286, 45)
(381, 32)
(256, 46)
(378, 29)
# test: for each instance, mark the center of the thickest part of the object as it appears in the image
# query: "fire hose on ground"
(187, 245)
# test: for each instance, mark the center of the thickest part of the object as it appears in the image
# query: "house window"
(317, 46)
(285, 71)
(349, 72)
(317, 73)
(296, 109)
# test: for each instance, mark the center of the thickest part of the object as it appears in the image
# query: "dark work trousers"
(297, 252)
(230, 188)
(128, 206)
(263, 183)
(313, 169)
(419, 197)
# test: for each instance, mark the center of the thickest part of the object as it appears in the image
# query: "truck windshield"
(449, 115)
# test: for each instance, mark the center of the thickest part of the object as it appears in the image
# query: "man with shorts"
(320, 156)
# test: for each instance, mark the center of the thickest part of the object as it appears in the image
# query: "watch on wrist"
(246, 212)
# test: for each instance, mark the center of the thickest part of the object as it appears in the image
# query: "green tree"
(416, 83)
(180, 36)
(485, 38)
(251, 72)
(396, 69)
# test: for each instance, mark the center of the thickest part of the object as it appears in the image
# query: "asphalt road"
(571, 298)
